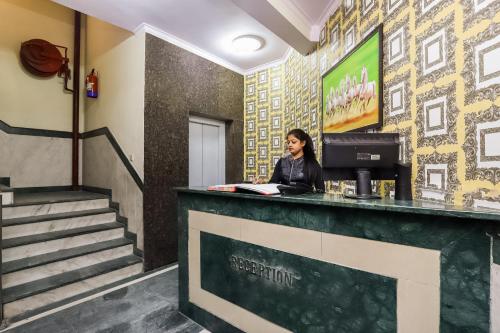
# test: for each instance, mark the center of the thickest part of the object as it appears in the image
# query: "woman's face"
(294, 145)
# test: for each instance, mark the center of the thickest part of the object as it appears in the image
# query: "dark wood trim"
(128, 234)
(213, 117)
(76, 102)
(5, 181)
(380, 30)
(105, 131)
(42, 189)
(100, 190)
(34, 131)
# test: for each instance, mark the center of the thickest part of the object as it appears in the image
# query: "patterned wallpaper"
(441, 93)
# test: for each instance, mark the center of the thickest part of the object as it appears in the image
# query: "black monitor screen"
(346, 154)
(360, 150)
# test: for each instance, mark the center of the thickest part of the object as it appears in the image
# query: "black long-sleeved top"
(300, 170)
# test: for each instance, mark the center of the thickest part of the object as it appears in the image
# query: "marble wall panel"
(35, 161)
(104, 169)
(5, 152)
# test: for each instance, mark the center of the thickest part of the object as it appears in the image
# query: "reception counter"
(319, 263)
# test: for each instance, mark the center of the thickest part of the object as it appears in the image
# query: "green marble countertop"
(335, 200)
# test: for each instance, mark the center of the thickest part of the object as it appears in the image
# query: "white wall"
(119, 58)
(103, 168)
(26, 100)
(30, 102)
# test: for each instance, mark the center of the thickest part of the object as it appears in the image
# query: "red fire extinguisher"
(91, 84)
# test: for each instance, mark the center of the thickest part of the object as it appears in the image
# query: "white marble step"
(7, 198)
(45, 298)
(25, 229)
(53, 208)
(74, 239)
(58, 267)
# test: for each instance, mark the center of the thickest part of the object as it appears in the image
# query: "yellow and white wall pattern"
(441, 93)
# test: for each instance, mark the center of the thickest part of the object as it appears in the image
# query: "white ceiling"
(205, 26)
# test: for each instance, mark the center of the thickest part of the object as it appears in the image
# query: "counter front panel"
(258, 265)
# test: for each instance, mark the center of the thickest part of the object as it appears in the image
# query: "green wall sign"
(297, 293)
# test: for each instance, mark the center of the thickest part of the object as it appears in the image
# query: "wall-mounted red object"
(91, 84)
(42, 58)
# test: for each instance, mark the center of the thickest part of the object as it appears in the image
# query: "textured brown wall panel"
(179, 83)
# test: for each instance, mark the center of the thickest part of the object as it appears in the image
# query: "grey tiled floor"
(149, 306)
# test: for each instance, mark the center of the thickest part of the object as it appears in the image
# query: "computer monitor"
(361, 157)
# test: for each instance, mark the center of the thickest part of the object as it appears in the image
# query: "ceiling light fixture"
(248, 43)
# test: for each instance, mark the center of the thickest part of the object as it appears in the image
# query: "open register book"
(266, 189)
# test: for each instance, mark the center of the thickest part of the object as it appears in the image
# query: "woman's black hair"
(308, 147)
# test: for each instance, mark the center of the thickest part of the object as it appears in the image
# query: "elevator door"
(207, 158)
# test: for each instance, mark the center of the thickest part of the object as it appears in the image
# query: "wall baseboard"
(5, 181)
(128, 234)
(34, 131)
(40, 189)
(97, 190)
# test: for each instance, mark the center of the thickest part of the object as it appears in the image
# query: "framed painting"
(352, 89)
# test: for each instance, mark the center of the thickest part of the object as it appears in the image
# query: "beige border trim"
(495, 297)
(417, 270)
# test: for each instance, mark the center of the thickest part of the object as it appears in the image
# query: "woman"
(301, 165)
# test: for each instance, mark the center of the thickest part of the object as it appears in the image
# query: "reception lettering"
(263, 271)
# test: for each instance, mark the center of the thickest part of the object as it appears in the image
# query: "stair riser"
(31, 303)
(54, 208)
(44, 271)
(35, 249)
(7, 198)
(56, 225)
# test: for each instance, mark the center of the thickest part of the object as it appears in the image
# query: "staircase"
(57, 246)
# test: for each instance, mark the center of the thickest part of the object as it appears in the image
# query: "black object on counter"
(295, 188)
(403, 181)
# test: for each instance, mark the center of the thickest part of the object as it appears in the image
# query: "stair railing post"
(76, 104)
